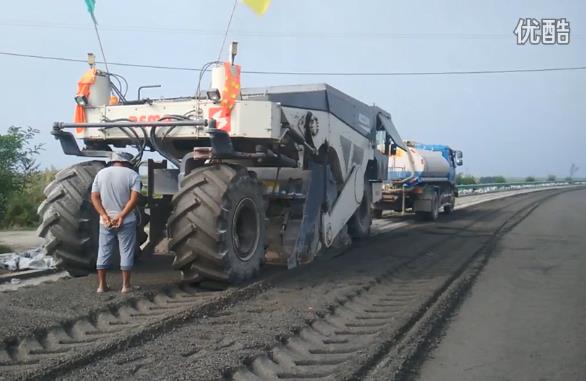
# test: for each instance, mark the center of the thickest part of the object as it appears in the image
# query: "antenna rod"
(101, 46)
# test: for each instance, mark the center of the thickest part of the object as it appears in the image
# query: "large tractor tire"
(217, 227)
(70, 224)
(360, 222)
(69, 221)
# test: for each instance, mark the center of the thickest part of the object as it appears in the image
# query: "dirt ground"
(525, 318)
(20, 240)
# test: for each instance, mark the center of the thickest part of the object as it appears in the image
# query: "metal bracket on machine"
(159, 207)
(70, 147)
(220, 141)
(307, 244)
(222, 148)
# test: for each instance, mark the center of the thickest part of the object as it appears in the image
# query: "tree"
(465, 179)
(21, 208)
(500, 180)
(551, 178)
(530, 179)
(17, 162)
(492, 180)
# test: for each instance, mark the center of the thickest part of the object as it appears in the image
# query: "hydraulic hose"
(157, 147)
(140, 147)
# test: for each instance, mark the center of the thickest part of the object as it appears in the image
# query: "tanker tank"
(423, 166)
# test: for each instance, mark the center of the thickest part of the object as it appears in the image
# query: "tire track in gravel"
(218, 344)
(48, 352)
(344, 343)
(391, 356)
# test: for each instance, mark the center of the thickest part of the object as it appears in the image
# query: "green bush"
(21, 207)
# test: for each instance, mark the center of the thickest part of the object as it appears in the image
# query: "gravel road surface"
(333, 318)
(525, 318)
(338, 302)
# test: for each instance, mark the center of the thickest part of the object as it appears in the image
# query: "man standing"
(115, 194)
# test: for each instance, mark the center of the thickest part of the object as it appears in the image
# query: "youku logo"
(544, 31)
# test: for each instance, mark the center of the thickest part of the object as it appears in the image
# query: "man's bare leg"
(125, 281)
(102, 284)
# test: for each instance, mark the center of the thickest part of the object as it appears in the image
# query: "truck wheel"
(69, 221)
(433, 214)
(359, 223)
(448, 209)
(217, 226)
(70, 224)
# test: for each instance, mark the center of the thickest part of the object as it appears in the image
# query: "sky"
(515, 124)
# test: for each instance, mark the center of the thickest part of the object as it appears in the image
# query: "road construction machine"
(245, 176)
(421, 179)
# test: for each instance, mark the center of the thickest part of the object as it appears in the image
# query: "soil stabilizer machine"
(275, 174)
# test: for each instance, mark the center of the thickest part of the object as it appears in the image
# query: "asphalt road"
(525, 318)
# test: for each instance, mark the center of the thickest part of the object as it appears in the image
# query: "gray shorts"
(125, 238)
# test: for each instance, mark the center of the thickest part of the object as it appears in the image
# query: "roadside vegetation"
(21, 181)
(462, 179)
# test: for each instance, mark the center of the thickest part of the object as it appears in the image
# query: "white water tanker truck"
(247, 174)
(421, 179)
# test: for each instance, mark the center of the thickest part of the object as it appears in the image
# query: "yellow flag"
(258, 6)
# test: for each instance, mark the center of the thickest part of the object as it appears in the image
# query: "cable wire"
(310, 73)
(227, 29)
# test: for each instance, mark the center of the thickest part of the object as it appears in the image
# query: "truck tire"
(69, 221)
(217, 227)
(433, 214)
(360, 222)
(449, 208)
(70, 224)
